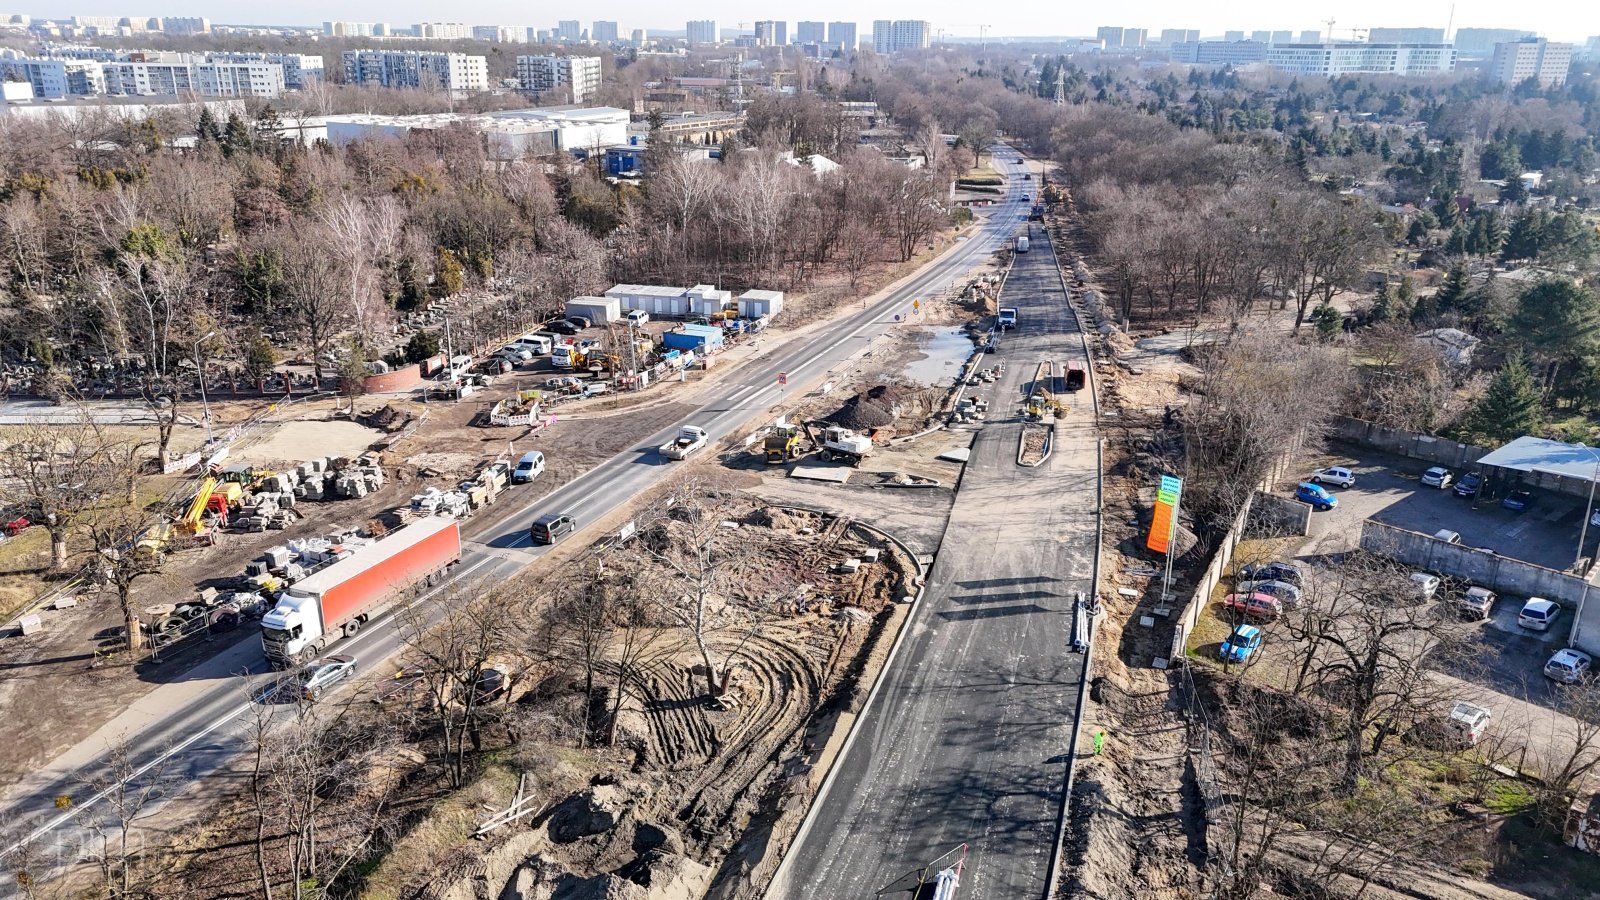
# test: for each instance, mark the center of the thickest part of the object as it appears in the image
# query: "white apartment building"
(569, 31)
(1218, 53)
(900, 34)
(298, 68)
(604, 32)
(1333, 60)
(1516, 61)
(180, 25)
(1170, 36)
(350, 29)
(457, 72)
(542, 74)
(810, 33)
(444, 31)
(184, 76)
(702, 32)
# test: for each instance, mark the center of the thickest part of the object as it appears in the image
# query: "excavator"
(837, 442)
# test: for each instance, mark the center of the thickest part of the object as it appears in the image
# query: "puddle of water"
(944, 350)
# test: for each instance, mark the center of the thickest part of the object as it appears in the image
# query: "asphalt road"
(189, 729)
(965, 742)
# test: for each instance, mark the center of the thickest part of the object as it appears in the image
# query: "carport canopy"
(1572, 463)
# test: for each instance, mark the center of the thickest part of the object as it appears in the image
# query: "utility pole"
(200, 367)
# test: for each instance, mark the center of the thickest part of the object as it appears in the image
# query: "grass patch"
(23, 559)
(1508, 797)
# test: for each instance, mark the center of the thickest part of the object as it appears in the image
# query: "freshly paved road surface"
(192, 727)
(965, 742)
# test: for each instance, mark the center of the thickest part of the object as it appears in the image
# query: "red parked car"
(1255, 606)
(17, 526)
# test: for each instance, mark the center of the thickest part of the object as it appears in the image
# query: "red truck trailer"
(337, 601)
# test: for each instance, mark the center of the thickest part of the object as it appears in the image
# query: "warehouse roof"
(1531, 454)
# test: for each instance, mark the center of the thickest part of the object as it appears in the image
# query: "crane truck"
(336, 601)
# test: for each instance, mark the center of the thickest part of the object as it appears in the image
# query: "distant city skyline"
(1558, 21)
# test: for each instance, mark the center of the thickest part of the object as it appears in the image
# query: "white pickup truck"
(690, 438)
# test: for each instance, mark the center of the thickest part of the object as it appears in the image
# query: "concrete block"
(31, 624)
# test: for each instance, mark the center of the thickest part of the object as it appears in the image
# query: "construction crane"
(983, 31)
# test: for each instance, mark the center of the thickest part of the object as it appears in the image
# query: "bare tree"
(691, 572)
(58, 472)
(127, 547)
(452, 655)
(127, 792)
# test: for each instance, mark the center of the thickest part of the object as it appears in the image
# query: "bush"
(980, 180)
(423, 344)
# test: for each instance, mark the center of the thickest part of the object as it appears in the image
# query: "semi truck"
(336, 601)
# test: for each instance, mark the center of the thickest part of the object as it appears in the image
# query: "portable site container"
(705, 300)
(596, 309)
(657, 300)
(703, 338)
(755, 304)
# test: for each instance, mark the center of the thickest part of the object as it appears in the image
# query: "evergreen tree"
(1453, 290)
(1557, 320)
(1509, 408)
(1417, 234)
(1328, 321)
(236, 136)
(206, 130)
(1383, 305)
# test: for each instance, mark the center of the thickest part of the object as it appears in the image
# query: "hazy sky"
(1559, 19)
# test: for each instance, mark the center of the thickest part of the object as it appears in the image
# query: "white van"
(529, 467)
(537, 344)
(460, 364)
(1538, 614)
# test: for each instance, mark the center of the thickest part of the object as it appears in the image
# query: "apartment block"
(1332, 60)
(811, 33)
(900, 34)
(186, 25)
(1516, 61)
(702, 32)
(1310, 37)
(1405, 35)
(1482, 41)
(350, 29)
(569, 31)
(541, 74)
(417, 69)
(604, 32)
(1218, 53)
(1116, 38)
(443, 31)
(54, 79)
(843, 35)
(772, 33)
(1283, 37)
(298, 68)
(1170, 36)
(1233, 35)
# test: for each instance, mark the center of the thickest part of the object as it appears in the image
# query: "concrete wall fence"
(1426, 447)
(1512, 577)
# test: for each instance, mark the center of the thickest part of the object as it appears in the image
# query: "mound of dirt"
(863, 413)
(388, 418)
(594, 811)
(600, 887)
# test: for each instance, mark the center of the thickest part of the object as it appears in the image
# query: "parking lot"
(1505, 658)
(1387, 489)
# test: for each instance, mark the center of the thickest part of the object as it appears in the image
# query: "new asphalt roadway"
(190, 728)
(965, 742)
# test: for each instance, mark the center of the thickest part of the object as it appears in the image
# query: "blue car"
(1316, 495)
(1517, 501)
(1245, 640)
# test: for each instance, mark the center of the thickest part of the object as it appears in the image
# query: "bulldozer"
(783, 444)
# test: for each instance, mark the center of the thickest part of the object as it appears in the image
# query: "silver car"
(316, 678)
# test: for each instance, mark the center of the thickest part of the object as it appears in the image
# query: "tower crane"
(983, 31)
